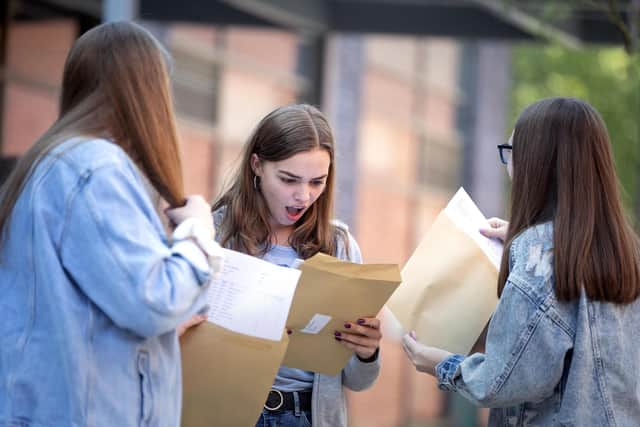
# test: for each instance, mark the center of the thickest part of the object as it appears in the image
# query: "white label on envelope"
(315, 325)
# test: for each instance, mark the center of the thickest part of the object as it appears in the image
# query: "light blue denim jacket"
(549, 363)
(91, 295)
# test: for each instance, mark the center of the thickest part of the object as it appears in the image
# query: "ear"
(256, 165)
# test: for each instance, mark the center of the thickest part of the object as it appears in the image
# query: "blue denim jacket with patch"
(91, 294)
(550, 363)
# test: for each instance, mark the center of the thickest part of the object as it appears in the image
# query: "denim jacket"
(550, 363)
(91, 294)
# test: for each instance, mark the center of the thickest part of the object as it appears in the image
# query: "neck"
(281, 234)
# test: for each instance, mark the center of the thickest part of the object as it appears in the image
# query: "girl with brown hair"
(562, 345)
(92, 291)
(279, 207)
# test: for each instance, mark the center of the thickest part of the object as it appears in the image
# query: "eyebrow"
(290, 175)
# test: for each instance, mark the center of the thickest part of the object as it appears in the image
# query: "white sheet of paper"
(466, 215)
(252, 296)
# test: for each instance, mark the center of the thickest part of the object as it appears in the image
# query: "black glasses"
(505, 153)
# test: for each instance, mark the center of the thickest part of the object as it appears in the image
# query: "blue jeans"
(284, 419)
(289, 418)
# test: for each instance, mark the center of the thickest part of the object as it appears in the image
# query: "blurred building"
(416, 116)
(403, 161)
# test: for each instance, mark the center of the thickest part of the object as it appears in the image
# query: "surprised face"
(292, 185)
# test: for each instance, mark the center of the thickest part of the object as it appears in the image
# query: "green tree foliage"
(604, 77)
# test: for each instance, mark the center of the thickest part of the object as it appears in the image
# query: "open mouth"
(294, 213)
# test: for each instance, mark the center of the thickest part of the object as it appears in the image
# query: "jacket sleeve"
(526, 346)
(114, 251)
(357, 375)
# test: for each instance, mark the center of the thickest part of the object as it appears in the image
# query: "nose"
(302, 193)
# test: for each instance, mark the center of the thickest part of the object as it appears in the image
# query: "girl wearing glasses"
(562, 346)
(279, 207)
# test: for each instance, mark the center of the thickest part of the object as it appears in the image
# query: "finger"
(204, 310)
(371, 322)
(198, 319)
(408, 350)
(357, 339)
(491, 232)
(496, 222)
(366, 331)
(357, 348)
(409, 345)
(193, 321)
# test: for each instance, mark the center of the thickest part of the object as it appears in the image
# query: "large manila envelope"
(329, 293)
(448, 291)
(226, 376)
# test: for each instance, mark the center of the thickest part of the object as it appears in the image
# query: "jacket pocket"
(146, 392)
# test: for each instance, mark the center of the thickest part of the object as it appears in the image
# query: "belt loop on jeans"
(279, 405)
(296, 403)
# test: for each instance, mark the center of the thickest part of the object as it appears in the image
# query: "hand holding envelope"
(448, 289)
(363, 336)
(229, 363)
(331, 292)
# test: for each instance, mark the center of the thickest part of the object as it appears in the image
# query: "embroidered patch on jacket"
(539, 261)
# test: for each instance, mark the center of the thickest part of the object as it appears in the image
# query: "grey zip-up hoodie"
(328, 402)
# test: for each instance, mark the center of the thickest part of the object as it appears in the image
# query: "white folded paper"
(252, 296)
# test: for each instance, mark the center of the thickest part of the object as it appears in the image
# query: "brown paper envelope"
(343, 290)
(448, 292)
(226, 376)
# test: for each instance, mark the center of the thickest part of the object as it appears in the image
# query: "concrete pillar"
(486, 82)
(343, 91)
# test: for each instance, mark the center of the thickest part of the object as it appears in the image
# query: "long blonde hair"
(115, 86)
(284, 132)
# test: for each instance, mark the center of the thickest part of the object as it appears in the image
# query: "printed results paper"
(252, 296)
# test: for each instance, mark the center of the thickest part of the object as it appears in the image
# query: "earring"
(256, 182)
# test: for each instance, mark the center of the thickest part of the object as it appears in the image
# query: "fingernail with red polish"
(360, 321)
(337, 334)
(347, 325)
(289, 331)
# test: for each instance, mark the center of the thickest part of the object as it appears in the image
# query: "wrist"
(195, 230)
(371, 358)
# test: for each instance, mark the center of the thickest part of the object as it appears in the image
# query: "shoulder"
(85, 155)
(536, 240)
(77, 160)
(347, 247)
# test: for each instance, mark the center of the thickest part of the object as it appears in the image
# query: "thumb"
(408, 343)
(491, 232)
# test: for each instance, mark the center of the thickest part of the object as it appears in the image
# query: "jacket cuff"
(447, 370)
(191, 237)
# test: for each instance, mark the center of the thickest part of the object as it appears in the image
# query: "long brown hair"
(115, 86)
(563, 171)
(283, 133)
